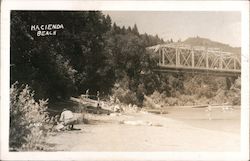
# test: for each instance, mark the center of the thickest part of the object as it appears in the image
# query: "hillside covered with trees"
(199, 41)
(90, 52)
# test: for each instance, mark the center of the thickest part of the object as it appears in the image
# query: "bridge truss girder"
(193, 59)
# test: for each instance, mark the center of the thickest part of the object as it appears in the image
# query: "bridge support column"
(230, 81)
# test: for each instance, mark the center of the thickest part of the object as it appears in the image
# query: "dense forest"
(92, 52)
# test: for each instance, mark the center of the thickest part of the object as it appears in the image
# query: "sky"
(222, 26)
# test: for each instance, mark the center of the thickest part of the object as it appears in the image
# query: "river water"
(218, 119)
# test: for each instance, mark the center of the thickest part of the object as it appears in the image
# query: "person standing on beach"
(87, 93)
(98, 96)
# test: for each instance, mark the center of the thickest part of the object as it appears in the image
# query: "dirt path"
(105, 133)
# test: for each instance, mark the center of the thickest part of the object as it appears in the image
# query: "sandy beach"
(179, 130)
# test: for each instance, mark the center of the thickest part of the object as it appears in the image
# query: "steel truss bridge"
(188, 59)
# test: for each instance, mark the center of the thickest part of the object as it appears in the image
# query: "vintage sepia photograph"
(125, 81)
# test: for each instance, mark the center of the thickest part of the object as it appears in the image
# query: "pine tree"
(135, 30)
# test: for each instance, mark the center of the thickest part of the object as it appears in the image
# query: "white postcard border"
(7, 6)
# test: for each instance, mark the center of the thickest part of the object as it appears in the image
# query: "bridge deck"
(203, 71)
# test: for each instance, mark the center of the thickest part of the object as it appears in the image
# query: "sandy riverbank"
(106, 133)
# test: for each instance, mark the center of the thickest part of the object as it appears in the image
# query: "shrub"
(125, 96)
(27, 119)
(156, 97)
(171, 101)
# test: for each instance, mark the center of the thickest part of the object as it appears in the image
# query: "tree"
(62, 65)
(131, 62)
(135, 30)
